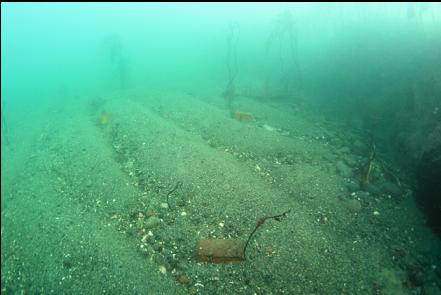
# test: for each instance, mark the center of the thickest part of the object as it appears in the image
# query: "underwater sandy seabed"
(113, 193)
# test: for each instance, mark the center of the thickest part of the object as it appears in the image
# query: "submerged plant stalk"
(259, 223)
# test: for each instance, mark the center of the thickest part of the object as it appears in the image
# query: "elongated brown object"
(229, 250)
(365, 179)
(220, 251)
(259, 223)
(243, 116)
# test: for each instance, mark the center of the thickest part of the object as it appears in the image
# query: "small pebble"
(183, 279)
(162, 269)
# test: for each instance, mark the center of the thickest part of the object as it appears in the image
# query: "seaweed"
(368, 167)
(229, 92)
(259, 223)
(283, 41)
(229, 250)
(119, 59)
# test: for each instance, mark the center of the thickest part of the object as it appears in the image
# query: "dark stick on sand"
(259, 223)
(177, 185)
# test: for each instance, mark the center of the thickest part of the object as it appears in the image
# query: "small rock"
(268, 128)
(415, 275)
(344, 150)
(150, 213)
(343, 169)
(359, 147)
(391, 189)
(363, 195)
(352, 162)
(352, 186)
(354, 206)
(431, 289)
(152, 222)
(373, 189)
(183, 279)
(162, 269)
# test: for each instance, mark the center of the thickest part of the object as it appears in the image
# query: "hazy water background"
(323, 83)
(347, 53)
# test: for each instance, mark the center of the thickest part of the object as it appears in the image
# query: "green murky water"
(131, 132)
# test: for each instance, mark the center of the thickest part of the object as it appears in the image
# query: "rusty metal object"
(243, 116)
(220, 251)
(229, 250)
